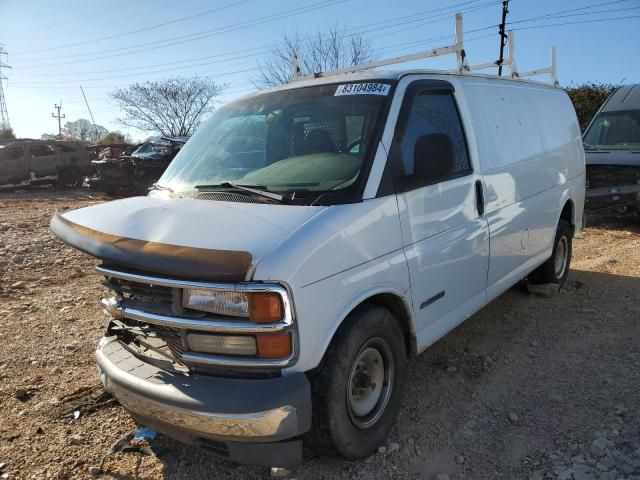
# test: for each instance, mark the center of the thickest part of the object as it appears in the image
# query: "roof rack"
(457, 48)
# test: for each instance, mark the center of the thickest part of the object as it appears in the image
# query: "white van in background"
(310, 238)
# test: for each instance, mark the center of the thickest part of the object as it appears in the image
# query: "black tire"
(69, 179)
(550, 271)
(335, 424)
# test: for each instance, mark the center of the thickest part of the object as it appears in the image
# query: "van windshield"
(302, 141)
(614, 131)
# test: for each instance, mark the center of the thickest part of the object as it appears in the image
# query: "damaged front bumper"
(254, 420)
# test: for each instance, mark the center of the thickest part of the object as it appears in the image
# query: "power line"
(264, 48)
(128, 75)
(476, 30)
(553, 17)
(172, 69)
(577, 22)
(244, 53)
(428, 21)
(200, 35)
(393, 22)
(596, 5)
(132, 32)
(261, 50)
(99, 12)
(201, 74)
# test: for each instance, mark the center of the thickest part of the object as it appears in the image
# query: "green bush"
(587, 99)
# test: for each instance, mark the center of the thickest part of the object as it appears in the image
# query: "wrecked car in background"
(612, 148)
(37, 162)
(129, 172)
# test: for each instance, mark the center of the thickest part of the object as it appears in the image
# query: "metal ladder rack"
(457, 48)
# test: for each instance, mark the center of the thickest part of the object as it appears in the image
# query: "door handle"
(479, 198)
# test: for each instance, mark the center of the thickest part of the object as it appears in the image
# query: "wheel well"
(396, 305)
(567, 214)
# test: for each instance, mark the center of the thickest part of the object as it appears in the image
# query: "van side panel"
(532, 160)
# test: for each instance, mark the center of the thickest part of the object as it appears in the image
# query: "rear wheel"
(556, 269)
(358, 391)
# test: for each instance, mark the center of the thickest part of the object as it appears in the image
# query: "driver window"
(431, 146)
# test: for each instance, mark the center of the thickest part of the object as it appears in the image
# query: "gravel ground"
(528, 388)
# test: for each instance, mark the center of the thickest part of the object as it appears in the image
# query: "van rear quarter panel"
(531, 157)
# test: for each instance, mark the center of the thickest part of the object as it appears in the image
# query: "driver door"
(445, 234)
(43, 160)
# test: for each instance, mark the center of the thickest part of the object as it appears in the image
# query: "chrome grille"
(142, 291)
(227, 197)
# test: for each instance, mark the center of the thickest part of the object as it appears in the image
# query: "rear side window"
(11, 154)
(65, 148)
(41, 150)
(429, 144)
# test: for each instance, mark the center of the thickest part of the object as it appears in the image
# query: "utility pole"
(4, 115)
(59, 117)
(503, 36)
(95, 129)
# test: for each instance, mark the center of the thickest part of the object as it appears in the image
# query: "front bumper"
(253, 421)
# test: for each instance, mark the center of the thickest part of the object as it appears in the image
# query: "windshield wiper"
(254, 189)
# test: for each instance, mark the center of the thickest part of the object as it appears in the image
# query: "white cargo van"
(308, 239)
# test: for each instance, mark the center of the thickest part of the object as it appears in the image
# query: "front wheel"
(70, 179)
(556, 269)
(358, 390)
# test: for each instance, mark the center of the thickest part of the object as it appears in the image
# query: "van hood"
(181, 238)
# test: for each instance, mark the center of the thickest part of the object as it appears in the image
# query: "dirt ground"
(528, 388)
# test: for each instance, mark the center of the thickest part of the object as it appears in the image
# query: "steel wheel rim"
(562, 250)
(370, 383)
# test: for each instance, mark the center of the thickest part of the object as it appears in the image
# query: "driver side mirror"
(434, 157)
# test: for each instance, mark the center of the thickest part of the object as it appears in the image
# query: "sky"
(55, 47)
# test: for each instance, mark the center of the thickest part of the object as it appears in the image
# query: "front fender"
(358, 299)
(321, 307)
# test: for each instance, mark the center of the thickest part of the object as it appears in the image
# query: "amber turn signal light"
(274, 345)
(265, 307)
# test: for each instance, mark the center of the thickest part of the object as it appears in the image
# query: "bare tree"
(326, 50)
(83, 130)
(171, 107)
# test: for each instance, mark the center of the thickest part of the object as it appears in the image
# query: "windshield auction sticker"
(363, 89)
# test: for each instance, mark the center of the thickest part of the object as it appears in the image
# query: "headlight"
(231, 303)
(257, 306)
